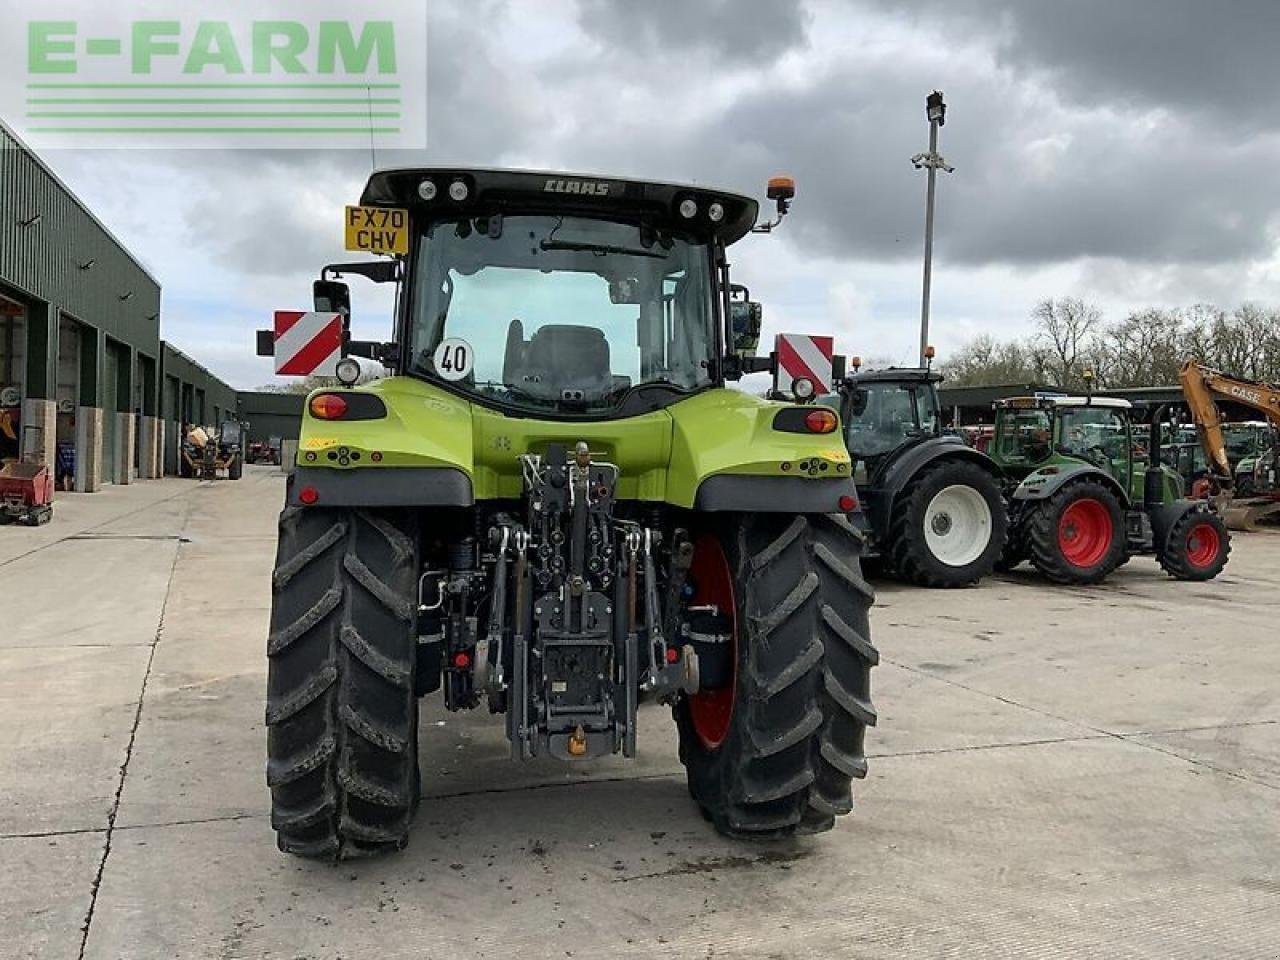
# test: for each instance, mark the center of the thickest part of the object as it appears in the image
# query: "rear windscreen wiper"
(600, 248)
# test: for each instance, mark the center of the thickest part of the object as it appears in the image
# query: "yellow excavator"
(1203, 387)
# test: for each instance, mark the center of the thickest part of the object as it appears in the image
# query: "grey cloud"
(1038, 180)
(1174, 193)
(1059, 155)
(1217, 57)
(476, 112)
(740, 30)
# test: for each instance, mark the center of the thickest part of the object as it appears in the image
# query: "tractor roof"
(1047, 400)
(555, 192)
(895, 375)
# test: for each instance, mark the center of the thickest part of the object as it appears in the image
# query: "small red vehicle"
(26, 494)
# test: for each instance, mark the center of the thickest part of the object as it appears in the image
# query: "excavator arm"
(1202, 386)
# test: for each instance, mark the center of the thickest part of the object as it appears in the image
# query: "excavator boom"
(1203, 387)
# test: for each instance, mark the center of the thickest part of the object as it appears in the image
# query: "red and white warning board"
(307, 344)
(801, 356)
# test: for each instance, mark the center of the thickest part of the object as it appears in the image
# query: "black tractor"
(932, 506)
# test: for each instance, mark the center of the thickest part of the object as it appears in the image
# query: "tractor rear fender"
(386, 487)
(734, 452)
(1047, 481)
(748, 494)
(894, 477)
(1165, 515)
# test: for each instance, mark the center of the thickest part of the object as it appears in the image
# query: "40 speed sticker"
(454, 359)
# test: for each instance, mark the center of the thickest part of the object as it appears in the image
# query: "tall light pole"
(932, 161)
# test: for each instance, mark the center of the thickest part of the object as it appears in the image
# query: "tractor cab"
(567, 297)
(1034, 433)
(885, 411)
(1246, 439)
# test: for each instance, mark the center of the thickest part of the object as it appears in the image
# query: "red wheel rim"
(1203, 544)
(1084, 532)
(712, 710)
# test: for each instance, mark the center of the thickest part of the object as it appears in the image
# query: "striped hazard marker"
(307, 344)
(801, 356)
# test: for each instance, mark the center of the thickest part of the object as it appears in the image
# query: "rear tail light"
(821, 420)
(309, 495)
(328, 406)
(806, 420)
(848, 504)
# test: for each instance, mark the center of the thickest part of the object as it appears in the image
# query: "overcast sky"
(1125, 151)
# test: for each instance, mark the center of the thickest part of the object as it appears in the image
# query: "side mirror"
(332, 296)
(745, 320)
(857, 402)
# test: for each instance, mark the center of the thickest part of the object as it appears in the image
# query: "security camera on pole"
(932, 161)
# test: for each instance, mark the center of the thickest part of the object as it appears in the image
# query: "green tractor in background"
(1086, 493)
(556, 507)
(1250, 448)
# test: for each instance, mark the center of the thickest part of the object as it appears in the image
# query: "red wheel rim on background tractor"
(1084, 532)
(712, 710)
(1203, 545)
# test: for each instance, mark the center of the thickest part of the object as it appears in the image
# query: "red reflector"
(309, 495)
(848, 504)
(328, 406)
(821, 420)
(672, 654)
(462, 660)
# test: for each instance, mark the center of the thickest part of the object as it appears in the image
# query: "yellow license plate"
(378, 230)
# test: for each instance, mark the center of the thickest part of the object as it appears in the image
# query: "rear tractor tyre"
(235, 469)
(1077, 536)
(1197, 548)
(342, 717)
(774, 752)
(948, 526)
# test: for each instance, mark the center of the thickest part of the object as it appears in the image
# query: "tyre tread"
(907, 552)
(796, 739)
(1041, 533)
(341, 711)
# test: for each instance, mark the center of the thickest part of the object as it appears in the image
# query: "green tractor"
(556, 507)
(1086, 493)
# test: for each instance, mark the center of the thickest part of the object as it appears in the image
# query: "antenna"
(373, 151)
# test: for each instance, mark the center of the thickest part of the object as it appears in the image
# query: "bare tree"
(304, 385)
(1064, 327)
(1253, 328)
(1201, 328)
(985, 361)
(1144, 349)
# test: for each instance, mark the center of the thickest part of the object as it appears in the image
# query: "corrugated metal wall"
(272, 414)
(45, 260)
(196, 382)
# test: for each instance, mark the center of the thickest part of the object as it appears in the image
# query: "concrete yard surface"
(1057, 773)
